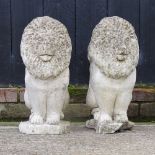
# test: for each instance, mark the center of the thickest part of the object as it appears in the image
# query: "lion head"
(46, 47)
(114, 47)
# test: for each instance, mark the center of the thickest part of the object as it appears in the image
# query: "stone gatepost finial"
(113, 53)
(46, 52)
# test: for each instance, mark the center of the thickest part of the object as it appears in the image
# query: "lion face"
(45, 47)
(114, 47)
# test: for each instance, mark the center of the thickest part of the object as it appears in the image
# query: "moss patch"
(13, 119)
(77, 90)
(143, 85)
(143, 119)
(82, 89)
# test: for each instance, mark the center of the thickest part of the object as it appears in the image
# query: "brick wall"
(12, 103)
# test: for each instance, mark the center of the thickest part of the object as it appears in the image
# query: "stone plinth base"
(28, 128)
(111, 127)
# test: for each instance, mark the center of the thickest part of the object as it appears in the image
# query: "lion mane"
(111, 36)
(45, 35)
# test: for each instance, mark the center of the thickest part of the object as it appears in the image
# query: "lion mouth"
(121, 57)
(46, 57)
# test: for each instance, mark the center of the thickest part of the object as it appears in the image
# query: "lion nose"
(123, 49)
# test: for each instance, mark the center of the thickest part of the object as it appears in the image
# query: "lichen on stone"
(46, 47)
(114, 47)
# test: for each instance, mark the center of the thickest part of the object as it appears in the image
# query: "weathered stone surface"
(108, 127)
(46, 47)
(77, 111)
(143, 94)
(29, 128)
(103, 128)
(127, 126)
(81, 99)
(13, 111)
(46, 52)
(8, 95)
(113, 53)
(114, 47)
(21, 94)
(72, 111)
(147, 109)
(133, 110)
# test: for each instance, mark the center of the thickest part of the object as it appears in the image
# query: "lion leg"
(105, 100)
(37, 100)
(90, 99)
(26, 99)
(121, 106)
(55, 102)
(67, 97)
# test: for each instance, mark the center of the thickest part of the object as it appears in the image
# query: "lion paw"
(121, 118)
(36, 119)
(53, 118)
(104, 118)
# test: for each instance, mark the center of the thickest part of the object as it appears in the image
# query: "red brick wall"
(12, 104)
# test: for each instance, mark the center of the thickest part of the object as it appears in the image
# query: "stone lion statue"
(113, 55)
(46, 52)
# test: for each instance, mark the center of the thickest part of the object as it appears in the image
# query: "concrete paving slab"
(80, 141)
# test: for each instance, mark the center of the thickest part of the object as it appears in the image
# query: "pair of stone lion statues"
(113, 53)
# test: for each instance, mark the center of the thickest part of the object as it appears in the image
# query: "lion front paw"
(53, 118)
(121, 118)
(104, 118)
(36, 119)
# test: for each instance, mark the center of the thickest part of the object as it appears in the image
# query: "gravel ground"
(80, 141)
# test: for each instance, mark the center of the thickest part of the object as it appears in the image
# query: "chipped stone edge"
(27, 128)
(105, 128)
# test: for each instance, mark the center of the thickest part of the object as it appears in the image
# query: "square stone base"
(111, 127)
(28, 128)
